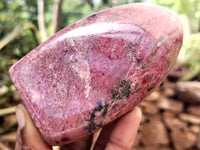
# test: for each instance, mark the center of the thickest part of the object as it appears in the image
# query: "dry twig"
(7, 111)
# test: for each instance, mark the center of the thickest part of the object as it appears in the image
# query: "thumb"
(28, 136)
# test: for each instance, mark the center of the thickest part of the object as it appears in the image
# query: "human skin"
(110, 138)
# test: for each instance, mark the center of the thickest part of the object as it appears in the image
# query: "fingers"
(104, 136)
(28, 136)
(118, 135)
(82, 144)
(122, 132)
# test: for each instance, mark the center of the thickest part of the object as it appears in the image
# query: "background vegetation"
(24, 24)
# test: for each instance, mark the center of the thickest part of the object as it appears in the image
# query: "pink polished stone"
(97, 69)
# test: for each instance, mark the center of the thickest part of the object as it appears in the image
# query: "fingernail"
(20, 117)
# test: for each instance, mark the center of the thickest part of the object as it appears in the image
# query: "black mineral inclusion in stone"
(92, 123)
(64, 139)
(124, 90)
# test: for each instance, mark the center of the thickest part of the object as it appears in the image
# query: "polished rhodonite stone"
(97, 69)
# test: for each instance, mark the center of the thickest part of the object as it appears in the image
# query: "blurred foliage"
(77, 10)
(189, 8)
(192, 48)
(189, 11)
(16, 14)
